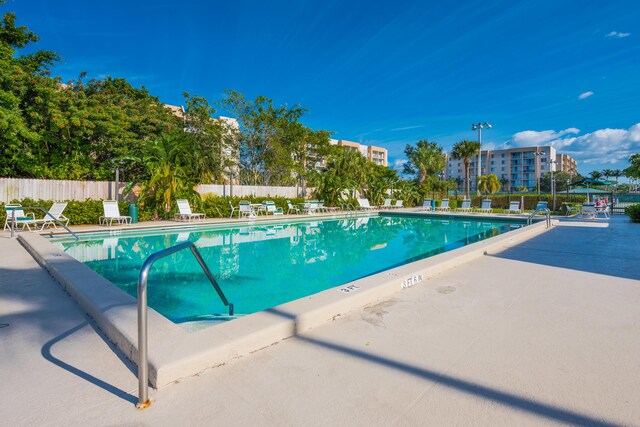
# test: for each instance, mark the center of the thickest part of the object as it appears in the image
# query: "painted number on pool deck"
(410, 281)
(349, 288)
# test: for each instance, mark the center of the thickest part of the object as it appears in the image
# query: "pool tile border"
(175, 353)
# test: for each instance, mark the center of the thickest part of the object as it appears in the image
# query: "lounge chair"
(570, 209)
(291, 207)
(56, 212)
(444, 205)
(398, 204)
(22, 220)
(244, 209)
(466, 206)
(486, 206)
(542, 205)
(364, 205)
(514, 207)
(185, 213)
(271, 208)
(589, 211)
(426, 205)
(387, 204)
(111, 213)
(310, 207)
(233, 210)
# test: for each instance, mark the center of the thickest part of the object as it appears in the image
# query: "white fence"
(249, 190)
(57, 190)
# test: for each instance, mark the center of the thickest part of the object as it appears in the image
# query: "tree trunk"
(467, 162)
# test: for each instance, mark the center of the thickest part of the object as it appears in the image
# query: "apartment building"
(517, 167)
(377, 155)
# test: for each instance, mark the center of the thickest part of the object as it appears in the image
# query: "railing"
(350, 209)
(46, 213)
(547, 213)
(143, 362)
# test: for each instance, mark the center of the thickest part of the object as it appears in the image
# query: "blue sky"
(565, 73)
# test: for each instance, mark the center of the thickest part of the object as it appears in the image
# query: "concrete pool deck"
(545, 332)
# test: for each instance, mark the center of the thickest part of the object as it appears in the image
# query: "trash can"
(433, 205)
(133, 213)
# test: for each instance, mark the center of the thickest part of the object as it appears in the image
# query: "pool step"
(208, 318)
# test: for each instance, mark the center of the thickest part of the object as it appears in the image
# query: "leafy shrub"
(633, 212)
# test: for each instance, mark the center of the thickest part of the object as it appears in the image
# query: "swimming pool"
(264, 265)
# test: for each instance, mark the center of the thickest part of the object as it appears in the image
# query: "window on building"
(503, 162)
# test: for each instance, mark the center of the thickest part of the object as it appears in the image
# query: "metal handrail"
(46, 213)
(143, 360)
(547, 213)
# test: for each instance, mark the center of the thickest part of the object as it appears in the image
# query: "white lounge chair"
(426, 205)
(244, 209)
(486, 206)
(542, 205)
(310, 207)
(387, 204)
(514, 207)
(271, 208)
(233, 209)
(589, 211)
(111, 213)
(364, 205)
(398, 204)
(466, 206)
(185, 213)
(444, 205)
(292, 207)
(22, 220)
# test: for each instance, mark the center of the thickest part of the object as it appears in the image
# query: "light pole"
(537, 168)
(116, 169)
(479, 127)
(553, 183)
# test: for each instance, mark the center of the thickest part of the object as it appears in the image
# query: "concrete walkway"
(543, 333)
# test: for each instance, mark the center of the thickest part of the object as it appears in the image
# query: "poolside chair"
(111, 213)
(486, 206)
(244, 209)
(55, 211)
(444, 205)
(542, 205)
(513, 207)
(570, 209)
(185, 213)
(387, 204)
(398, 204)
(22, 220)
(271, 208)
(426, 205)
(233, 209)
(310, 207)
(291, 207)
(589, 211)
(364, 205)
(466, 206)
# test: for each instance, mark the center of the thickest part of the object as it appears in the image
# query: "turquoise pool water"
(265, 265)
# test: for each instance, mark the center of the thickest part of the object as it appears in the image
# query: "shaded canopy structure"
(591, 181)
(587, 191)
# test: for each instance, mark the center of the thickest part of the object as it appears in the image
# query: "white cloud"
(585, 94)
(407, 128)
(399, 163)
(618, 34)
(601, 146)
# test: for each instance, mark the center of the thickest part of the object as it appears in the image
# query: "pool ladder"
(143, 358)
(547, 213)
(349, 209)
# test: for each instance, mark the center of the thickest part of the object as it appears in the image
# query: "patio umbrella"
(591, 181)
(587, 191)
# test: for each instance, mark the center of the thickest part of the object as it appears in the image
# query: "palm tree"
(489, 184)
(465, 150)
(616, 173)
(426, 158)
(595, 175)
(607, 173)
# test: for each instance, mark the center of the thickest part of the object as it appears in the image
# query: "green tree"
(595, 174)
(426, 158)
(489, 184)
(561, 179)
(465, 150)
(607, 173)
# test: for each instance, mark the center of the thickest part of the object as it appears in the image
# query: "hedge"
(633, 212)
(89, 211)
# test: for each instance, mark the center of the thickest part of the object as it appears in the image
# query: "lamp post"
(537, 168)
(478, 127)
(553, 182)
(116, 169)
